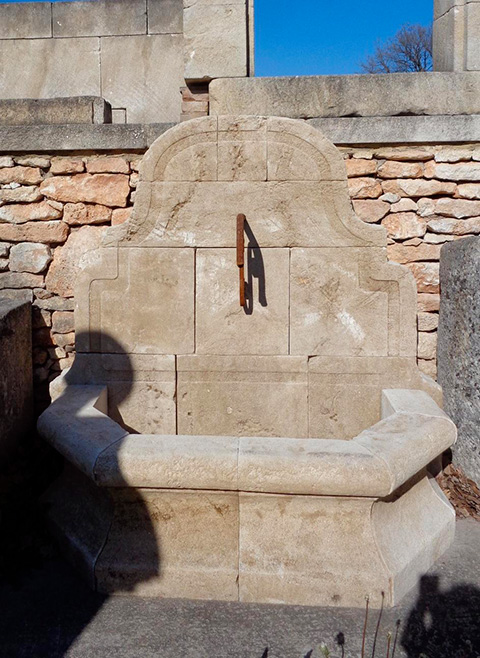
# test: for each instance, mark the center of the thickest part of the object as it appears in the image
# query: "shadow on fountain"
(443, 623)
(40, 620)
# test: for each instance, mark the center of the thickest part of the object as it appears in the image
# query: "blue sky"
(314, 37)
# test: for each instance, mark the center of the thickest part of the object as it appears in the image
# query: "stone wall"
(16, 409)
(456, 25)
(54, 208)
(106, 48)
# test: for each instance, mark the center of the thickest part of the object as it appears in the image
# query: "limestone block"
(62, 322)
(427, 321)
(458, 348)
(364, 188)
(461, 171)
(126, 68)
(64, 269)
(472, 43)
(21, 213)
(67, 165)
(46, 232)
(332, 310)
(225, 327)
(242, 396)
(242, 153)
(30, 257)
(153, 319)
(280, 214)
(20, 280)
(165, 17)
(451, 226)
(404, 225)
(103, 18)
(22, 194)
(215, 41)
(105, 189)
(172, 544)
(170, 462)
(141, 388)
(72, 417)
(25, 21)
(371, 210)
(426, 276)
(418, 188)
(359, 167)
(56, 67)
(409, 402)
(336, 563)
(345, 393)
(392, 169)
(20, 175)
(469, 191)
(108, 165)
(408, 254)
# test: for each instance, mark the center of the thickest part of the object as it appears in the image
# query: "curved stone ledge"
(374, 464)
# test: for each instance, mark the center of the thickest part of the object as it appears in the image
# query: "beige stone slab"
(308, 550)
(170, 462)
(165, 17)
(156, 315)
(102, 18)
(181, 544)
(409, 401)
(332, 311)
(127, 72)
(249, 397)
(25, 21)
(215, 41)
(280, 214)
(225, 327)
(53, 68)
(242, 149)
(345, 395)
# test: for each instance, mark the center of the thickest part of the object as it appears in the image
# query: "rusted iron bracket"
(241, 219)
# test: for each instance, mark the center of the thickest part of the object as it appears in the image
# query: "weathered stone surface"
(408, 254)
(105, 189)
(429, 367)
(457, 208)
(404, 205)
(458, 172)
(22, 194)
(403, 225)
(3, 264)
(392, 169)
(21, 175)
(427, 345)
(454, 155)
(66, 165)
(103, 18)
(21, 213)
(358, 167)
(4, 249)
(428, 303)
(64, 269)
(25, 21)
(437, 238)
(215, 42)
(454, 226)
(120, 215)
(403, 155)
(20, 280)
(30, 257)
(371, 211)
(418, 188)
(33, 161)
(427, 276)
(364, 188)
(108, 165)
(46, 232)
(126, 67)
(426, 207)
(44, 112)
(165, 17)
(458, 348)
(469, 191)
(427, 321)
(62, 322)
(6, 161)
(76, 214)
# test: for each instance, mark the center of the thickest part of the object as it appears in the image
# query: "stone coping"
(343, 131)
(376, 463)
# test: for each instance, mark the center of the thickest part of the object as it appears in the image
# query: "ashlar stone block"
(332, 311)
(225, 327)
(242, 396)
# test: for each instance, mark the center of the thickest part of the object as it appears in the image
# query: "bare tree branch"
(410, 50)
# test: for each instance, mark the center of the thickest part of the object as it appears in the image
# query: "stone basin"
(277, 450)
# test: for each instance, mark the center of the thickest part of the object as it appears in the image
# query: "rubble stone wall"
(54, 208)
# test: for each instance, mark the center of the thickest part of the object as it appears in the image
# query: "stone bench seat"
(413, 433)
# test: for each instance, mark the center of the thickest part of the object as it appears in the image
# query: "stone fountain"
(244, 419)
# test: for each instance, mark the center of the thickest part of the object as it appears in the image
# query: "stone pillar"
(459, 348)
(456, 35)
